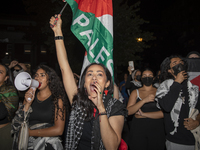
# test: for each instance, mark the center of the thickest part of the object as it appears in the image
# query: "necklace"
(40, 101)
(44, 99)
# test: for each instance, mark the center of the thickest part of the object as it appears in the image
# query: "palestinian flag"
(92, 24)
(194, 71)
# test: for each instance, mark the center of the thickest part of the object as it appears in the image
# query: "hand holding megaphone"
(23, 81)
(30, 95)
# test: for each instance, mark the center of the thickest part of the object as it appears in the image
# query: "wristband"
(58, 38)
(103, 113)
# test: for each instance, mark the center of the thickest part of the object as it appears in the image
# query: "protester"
(44, 113)
(135, 75)
(135, 83)
(8, 93)
(8, 106)
(193, 54)
(122, 89)
(147, 128)
(96, 119)
(177, 97)
(17, 67)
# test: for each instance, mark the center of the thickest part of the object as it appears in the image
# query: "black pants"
(146, 134)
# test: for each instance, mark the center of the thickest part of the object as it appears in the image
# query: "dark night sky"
(150, 10)
(12, 7)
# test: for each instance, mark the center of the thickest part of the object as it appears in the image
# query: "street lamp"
(139, 39)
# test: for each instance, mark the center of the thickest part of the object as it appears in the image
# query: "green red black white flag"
(92, 24)
(194, 71)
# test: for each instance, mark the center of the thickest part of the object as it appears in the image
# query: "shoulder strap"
(137, 93)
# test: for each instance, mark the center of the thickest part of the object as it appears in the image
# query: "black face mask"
(138, 77)
(147, 81)
(178, 68)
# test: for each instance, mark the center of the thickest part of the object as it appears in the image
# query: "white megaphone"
(23, 81)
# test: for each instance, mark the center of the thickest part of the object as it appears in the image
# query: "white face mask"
(15, 73)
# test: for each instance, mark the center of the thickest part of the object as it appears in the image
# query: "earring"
(106, 91)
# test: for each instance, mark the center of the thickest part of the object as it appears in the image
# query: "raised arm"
(67, 74)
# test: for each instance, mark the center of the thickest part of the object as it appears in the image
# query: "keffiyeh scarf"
(34, 143)
(76, 122)
(193, 98)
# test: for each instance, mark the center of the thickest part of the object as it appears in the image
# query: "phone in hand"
(131, 64)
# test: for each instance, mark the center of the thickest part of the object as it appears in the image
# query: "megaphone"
(23, 81)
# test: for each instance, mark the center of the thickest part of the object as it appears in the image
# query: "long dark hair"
(147, 69)
(165, 66)
(57, 89)
(81, 98)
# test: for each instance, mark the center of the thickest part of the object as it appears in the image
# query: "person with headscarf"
(135, 83)
(193, 54)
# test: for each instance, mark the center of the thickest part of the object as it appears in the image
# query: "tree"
(127, 28)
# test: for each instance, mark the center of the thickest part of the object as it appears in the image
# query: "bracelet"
(58, 38)
(100, 114)
(103, 113)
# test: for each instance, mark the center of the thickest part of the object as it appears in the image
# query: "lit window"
(27, 49)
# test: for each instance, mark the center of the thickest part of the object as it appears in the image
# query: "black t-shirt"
(85, 141)
(42, 111)
(3, 114)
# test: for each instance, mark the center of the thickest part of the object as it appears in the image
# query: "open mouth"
(92, 87)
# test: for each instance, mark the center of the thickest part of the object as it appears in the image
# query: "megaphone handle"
(29, 99)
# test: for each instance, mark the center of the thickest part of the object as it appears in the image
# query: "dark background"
(175, 24)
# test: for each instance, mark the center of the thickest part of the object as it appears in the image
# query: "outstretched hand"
(56, 25)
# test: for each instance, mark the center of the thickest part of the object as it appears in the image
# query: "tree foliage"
(127, 28)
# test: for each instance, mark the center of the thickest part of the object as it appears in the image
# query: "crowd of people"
(148, 111)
